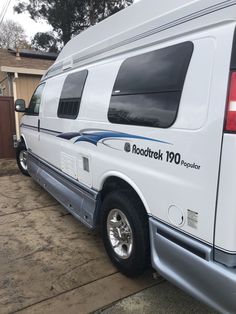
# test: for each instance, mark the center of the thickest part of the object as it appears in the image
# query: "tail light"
(230, 124)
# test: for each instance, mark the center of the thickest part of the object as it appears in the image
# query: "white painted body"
(168, 191)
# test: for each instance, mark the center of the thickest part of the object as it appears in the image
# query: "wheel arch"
(120, 178)
(22, 139)
(113, 180)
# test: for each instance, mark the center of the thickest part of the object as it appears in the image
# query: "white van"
(134, 129)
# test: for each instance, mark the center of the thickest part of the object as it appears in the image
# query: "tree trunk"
(92, 13)
(103, 9)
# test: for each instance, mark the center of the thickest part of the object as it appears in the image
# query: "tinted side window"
(148, 87)
(71, 95)
(35, 101)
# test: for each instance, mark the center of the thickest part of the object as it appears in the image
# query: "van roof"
(142, 19)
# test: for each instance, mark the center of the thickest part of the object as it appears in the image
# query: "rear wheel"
(125, 232)
(21, 157)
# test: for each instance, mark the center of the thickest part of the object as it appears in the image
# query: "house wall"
(17, 84)
(25, 86)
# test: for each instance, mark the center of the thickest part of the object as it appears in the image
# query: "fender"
(122, 176)
(23, 137)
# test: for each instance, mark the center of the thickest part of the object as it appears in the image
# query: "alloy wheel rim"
(120, 233)
(23, 159)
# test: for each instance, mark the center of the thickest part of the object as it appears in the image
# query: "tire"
(127, 248)
(21, 158)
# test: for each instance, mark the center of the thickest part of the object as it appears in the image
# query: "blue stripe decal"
(95, 137)
(69, 135)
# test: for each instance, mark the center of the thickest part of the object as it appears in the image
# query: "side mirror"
(20, 105)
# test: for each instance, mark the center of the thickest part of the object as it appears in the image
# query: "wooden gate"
(7, 127)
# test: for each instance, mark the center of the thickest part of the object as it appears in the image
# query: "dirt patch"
(8, 167)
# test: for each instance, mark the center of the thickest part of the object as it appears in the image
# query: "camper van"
(133, 130)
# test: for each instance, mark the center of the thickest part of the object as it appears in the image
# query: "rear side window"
(71, 95)
(148, 87)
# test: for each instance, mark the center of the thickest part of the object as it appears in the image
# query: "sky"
(30, 27)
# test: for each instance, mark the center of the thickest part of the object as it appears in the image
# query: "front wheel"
(21, 157)
(125, 232)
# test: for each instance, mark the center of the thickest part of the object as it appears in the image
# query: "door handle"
(38, 125)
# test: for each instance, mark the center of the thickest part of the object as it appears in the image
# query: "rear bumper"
(189, 264)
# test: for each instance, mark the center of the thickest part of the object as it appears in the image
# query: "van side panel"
(196, 136)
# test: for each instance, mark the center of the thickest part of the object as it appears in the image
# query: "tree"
(12, 35)
(70, 17)
(45, 42)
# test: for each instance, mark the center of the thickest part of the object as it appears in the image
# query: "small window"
(71, 95)
(148, 87)
(35, 101)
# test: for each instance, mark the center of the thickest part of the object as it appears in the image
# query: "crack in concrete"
(73, 268)
(61, 293)
(29, 210)
(47, 247)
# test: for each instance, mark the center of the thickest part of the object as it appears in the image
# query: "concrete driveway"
(51, 263)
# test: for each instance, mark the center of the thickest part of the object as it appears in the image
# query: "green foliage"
(70, 17)
(45, 42)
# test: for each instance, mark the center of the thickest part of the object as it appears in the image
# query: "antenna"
(4, 10)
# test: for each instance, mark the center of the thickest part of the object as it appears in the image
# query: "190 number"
(173, 157)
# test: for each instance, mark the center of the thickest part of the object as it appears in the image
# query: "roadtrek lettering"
(147, 152)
